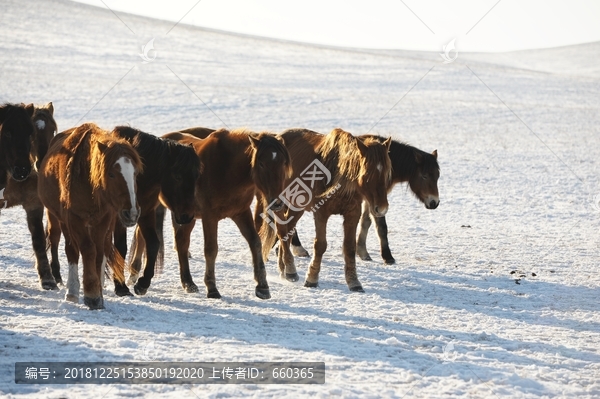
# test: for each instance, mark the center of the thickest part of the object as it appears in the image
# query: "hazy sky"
(396, 24)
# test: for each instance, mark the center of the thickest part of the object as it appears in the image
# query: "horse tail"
(267, 232)
(137, 249)
(114, 262)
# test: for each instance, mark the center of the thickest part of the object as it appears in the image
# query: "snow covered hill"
(494, 294)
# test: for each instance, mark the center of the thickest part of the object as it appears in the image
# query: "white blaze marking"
(274, 155)
(40, 124)
(128, 172)
(379, 167)
(73, 281)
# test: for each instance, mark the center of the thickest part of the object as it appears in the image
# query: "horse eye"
(424, 177)
(111, 175)
(177, 178)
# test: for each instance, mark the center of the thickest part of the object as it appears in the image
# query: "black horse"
(409, 164)
(169, 177)
(18, 184)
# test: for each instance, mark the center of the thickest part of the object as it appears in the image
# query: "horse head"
(271, 166)
(178, 180)
(115, 165)
(423, 181)
(16, 133)
(45, 128)
(375, 174)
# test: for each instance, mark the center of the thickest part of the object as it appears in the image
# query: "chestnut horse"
(332, 174)
(409, 164)
(17, 133)
(170, 170)
(86, 179)
(235, 165)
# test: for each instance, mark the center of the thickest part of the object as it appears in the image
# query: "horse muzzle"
(432, 203)
(183, 218)
(20, 173)
(129, 218)
(276, 204)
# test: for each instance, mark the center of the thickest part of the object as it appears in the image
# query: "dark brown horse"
(24, 193)
(332, 174)
(16, 133)
(409, 164)
(45, 129)
(170, 170)
(235, 165)
(86, 180)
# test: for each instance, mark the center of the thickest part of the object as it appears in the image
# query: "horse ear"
(418, 156)
(434, 153)
(388, 143)
(253, 141)
(361, 146)
(50, 108)
(30, 109)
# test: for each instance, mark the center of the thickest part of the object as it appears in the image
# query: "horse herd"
(95, 183)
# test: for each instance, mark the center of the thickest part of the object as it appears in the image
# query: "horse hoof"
(49, 285)
(366, 257)
(123, 291)
(72, 298)
(389, 261)
(190, 288)
(293, 277)
(357, 288)
(263, 293)
(139, 290)
(213, 295)
(308, 284)
(94, 303)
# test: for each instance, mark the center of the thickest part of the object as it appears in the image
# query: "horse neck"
(403, 161)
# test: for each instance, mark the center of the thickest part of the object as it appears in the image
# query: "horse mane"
(150, 147)
(344, 159)
(403, 157)
(94, 152)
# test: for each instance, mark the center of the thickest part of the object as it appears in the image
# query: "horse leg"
(211, 248)
(92, 256)
(53, 234)
(312, 278)
(120, 240)
(382, 232)
(147, 227)
(182, 244)
(72, 252)
(297, 248)
(365, 223)
(35, 223)
(247, 228)
(351, 219)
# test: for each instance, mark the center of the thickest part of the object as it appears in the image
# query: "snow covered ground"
(494, 294)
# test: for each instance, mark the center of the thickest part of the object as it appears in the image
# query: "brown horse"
(409, 164)
(24, 193)
(234, 166)
(332, 174)
(86, 179)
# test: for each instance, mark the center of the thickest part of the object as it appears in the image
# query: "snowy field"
(494, 294)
